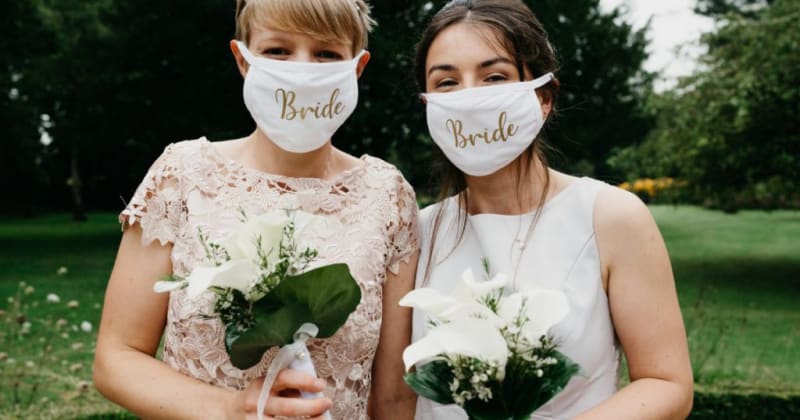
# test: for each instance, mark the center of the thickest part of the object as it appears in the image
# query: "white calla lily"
(543, 308)
(429, 301)
(242, 243)
(448, 308)
(470, 338)
(168, 286)
(471, 290)
(235, 274)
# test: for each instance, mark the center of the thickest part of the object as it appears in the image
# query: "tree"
(733, 131)
(22, 178)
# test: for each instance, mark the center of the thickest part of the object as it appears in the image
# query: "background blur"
(91, 91)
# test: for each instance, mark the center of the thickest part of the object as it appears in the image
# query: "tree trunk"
(78, 209)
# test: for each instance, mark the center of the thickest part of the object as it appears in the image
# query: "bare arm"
(645, 311)
(125, 370)
(391, 398)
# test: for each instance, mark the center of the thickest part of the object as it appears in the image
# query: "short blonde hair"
(345, 21)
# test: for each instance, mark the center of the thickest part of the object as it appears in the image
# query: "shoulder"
(616, 209)
(623, 225)
(383, 174)
(441, 213)
(186, 146)
(174, 153)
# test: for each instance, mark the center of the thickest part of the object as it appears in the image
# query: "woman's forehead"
(466, 43)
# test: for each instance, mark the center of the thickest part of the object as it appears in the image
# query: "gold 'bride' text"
(502, 133)
(290, 112)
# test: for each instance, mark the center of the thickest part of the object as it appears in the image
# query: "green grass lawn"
(47, 371)
(738, 277)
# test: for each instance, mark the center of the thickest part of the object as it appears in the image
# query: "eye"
(496, 78)
(275, 52)
(445, 83)
(328, 55)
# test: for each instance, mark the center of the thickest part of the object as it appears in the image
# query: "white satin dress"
(561, 253)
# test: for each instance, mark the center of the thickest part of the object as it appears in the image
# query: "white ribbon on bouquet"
(294, 356)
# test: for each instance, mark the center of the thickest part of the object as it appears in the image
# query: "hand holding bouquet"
(489, 353)
(265, 294)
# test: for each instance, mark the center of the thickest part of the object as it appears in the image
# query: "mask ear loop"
(248, 56)
(542, 80)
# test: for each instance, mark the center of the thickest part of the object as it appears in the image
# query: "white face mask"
(299, 105)
(483, 129)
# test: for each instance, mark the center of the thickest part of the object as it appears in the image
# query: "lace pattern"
(192, 188)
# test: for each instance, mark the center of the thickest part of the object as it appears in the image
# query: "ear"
(240, 61)
(423, 99)
(547, 104)
(362, 63)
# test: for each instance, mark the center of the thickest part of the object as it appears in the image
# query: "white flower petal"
(235, 274)
(428, 300)
(469, 289)
(544, 308)
(168, 286)
(471, 311)
(469, 338)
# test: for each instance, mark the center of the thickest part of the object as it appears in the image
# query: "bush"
(734, 406)
(662, 190)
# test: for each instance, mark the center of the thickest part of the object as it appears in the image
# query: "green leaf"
(325, 296)
(542, 390)
(432, 381)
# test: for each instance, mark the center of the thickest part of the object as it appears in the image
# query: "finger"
(301, 381)
(294, 407)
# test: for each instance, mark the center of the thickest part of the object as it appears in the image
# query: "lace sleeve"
(157, 204)
(404, 232)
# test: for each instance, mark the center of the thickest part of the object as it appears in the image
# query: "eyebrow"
(483, 65)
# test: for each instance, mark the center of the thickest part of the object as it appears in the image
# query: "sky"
(674, 24)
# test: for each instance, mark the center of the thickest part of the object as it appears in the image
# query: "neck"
(266, 156)
(515, 189)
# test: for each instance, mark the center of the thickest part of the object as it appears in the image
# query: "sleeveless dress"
(561, 254)
(192, 187)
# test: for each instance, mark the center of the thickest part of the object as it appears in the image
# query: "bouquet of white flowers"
(265, 294)
(488, 353)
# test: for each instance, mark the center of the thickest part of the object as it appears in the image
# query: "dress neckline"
(340, 179)
(567, 191)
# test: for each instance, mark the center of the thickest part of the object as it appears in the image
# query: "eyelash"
(494, 78)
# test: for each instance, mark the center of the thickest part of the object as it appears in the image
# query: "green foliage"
(323, 296)
(603, 84)
(732, 131)
(518, 395)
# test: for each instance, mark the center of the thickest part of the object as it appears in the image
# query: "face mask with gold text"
(483, 129)
(299, 105)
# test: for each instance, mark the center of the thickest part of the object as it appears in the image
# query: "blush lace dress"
(191, 188)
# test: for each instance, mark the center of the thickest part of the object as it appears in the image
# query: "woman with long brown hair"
(487, 70)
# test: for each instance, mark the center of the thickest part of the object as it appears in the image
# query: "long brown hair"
(524, 38)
